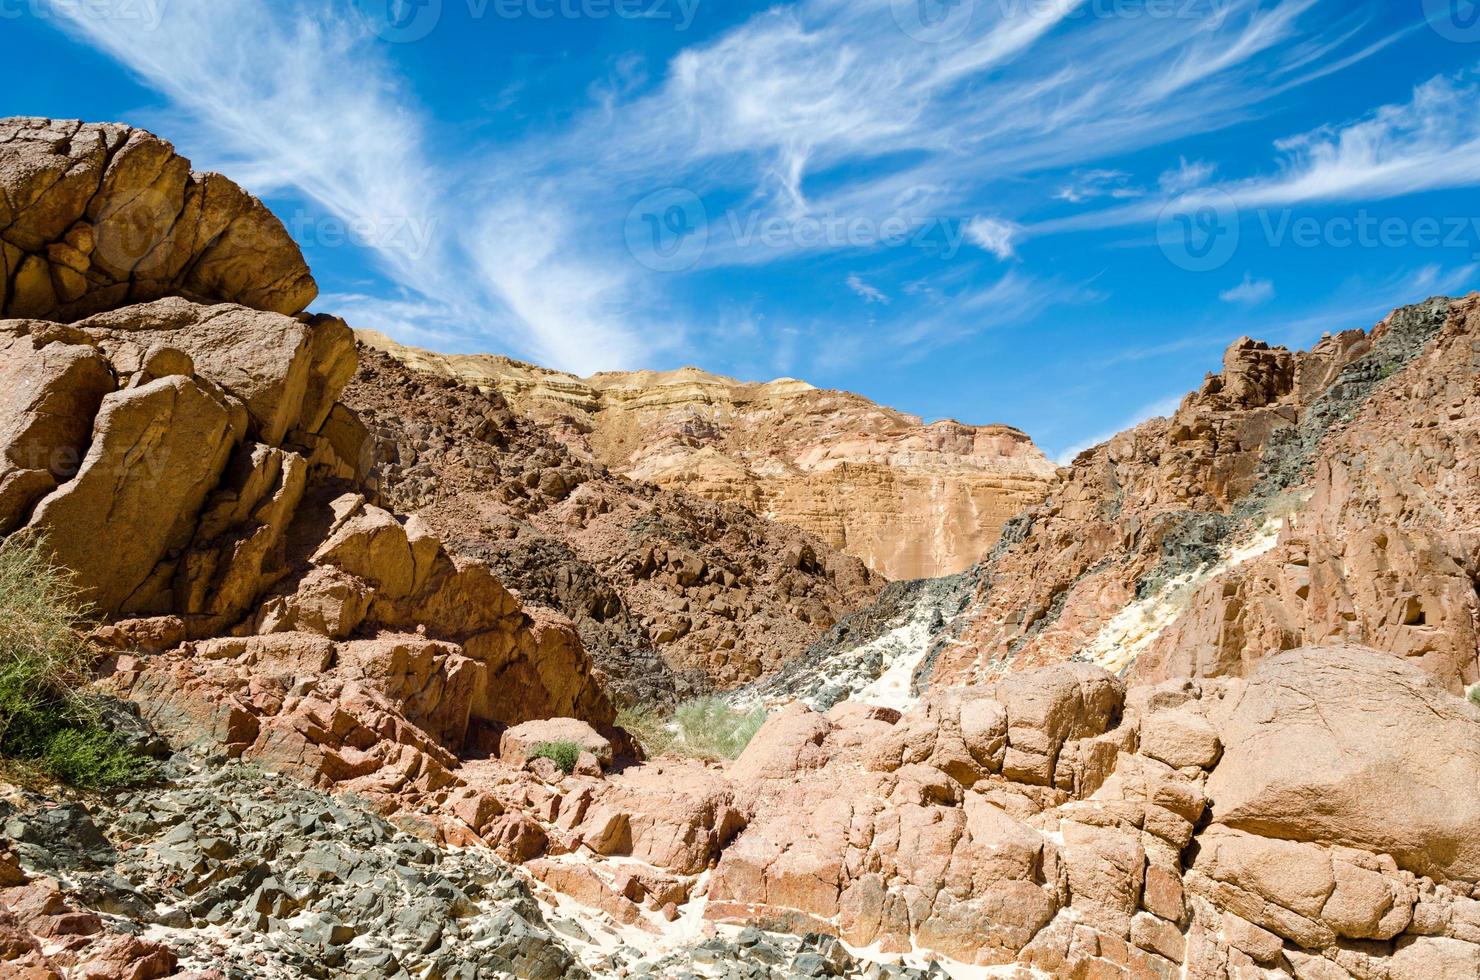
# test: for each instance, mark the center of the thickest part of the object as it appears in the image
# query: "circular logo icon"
(1199, 232)
(668, 230)
(129, 238)
(1454, 20)
(401, 21)
(933, 21)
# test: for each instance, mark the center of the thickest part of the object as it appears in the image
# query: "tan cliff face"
(908, 499)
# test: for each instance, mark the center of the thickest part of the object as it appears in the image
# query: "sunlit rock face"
(908, 499)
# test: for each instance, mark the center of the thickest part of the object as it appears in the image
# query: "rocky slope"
(672, 594)
(1298, 498)
(911, 500)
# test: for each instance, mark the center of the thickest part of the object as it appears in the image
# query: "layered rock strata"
(1297, 498)
(911, 500)
(673, 595)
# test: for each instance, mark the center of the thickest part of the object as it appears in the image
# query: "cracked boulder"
(94, 216)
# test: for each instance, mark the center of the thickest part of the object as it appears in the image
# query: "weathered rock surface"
(237, 874)
(1298, 498)
(911, 500)
(672, 595)
(1021, 822)
(98, 216)
(1246, 795)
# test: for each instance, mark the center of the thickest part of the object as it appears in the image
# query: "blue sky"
(1050, 213)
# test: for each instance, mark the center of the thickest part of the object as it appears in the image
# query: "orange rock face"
(672, 594)
(911, 500)
(1297, 499)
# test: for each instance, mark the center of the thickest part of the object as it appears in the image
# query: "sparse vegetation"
(564, 754)
(46, 722)
(710, 727)
(652, 729)
(705, 728)
(1474, 695)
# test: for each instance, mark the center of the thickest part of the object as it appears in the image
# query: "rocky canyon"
(910, 500)
(389, 624)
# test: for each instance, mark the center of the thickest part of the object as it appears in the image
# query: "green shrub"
(652, 729)
(45, 719)
(564, 754)
(706, 728)
(711, 728)
(1474, 695)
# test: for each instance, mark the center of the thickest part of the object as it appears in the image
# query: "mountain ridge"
(910, 499)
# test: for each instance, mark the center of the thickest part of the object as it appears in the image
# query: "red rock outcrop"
(1297, 499)
(99, 216)
(1058, 820)
(184, 463)
(1237, 802)
(911, 500)
(672, 594)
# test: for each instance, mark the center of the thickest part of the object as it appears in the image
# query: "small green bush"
(711, 728)
(705, 728)
(652, 729)
(45, 719)
(1474, 695)
(564, 754)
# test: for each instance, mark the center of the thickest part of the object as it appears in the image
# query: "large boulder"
(172, 420)
(1349, 746)
(157, 452)
(98, 216)
(52, 383)
(283, 368)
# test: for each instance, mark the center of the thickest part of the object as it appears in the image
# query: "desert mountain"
(672, 594)
(1199, 714)
(1297, 498)
(911, 500)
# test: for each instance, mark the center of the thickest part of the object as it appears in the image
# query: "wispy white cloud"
(1250, 292)
(1431, 142)
(1086, 185)
(302, 100)
(866, 292)
(1187, 175)
(814, 113)
(992, 235)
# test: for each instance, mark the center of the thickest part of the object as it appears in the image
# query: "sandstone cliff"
(911, 500)
(673, 594)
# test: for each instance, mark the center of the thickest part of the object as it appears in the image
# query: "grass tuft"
(564, 754)
(46, 721)
(705, 728)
